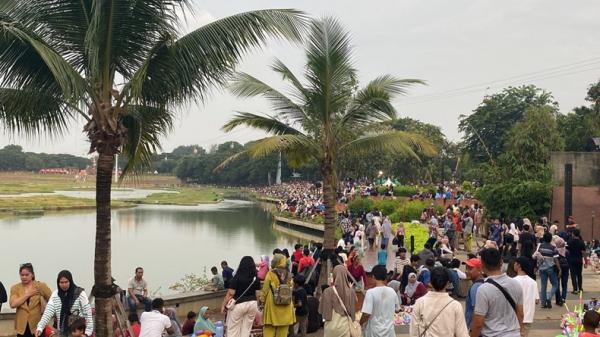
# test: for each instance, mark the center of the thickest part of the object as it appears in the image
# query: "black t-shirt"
(576, 247)
(240, 283)
(300, 297)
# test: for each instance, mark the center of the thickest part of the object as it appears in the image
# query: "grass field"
(51, 203)
(187, 196)
(25, 182)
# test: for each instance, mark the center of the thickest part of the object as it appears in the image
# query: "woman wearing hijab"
(203, 322)
(172, 314)
(67, 300)
(277, 317)
(263, 267)
(336, 319)
(561, 290)
(396, 286)
(414, 290)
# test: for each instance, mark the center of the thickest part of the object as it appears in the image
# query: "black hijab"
(67, 298)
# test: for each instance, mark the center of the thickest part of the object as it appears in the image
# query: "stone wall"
(586, 167)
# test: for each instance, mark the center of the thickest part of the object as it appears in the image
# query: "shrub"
(382, 190)
(405, 190)
(420, 232)
(360, 204)
(387, 206)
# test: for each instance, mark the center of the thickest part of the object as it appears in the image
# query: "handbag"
(353, 325)
(231, 303)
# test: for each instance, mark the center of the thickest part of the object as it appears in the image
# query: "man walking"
(474, 273)
(436, 313)
(531, 295)
(379, 306)
(468, 231)
(499, 301)
(137, 289)
(548, 255)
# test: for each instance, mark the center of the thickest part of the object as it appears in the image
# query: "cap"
(474, 263)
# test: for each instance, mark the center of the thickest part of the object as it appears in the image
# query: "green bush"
(405, 190)
(387, 206)
(382, 190)
(360, 204)
(420, 232)
(395, 217)
(528, 198)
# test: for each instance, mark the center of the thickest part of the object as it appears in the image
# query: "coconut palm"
(326, 116)
(121, 67)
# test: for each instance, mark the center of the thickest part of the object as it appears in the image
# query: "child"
(134, 321)
(399, 263)
(382, 256)
(188, 325)
(591, 319)
(77, 328)
(217, 282)
(300, 303)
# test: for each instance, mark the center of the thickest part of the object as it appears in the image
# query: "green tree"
(326, 115)
(486, 129)
(122, 66)
(519, 183)
(583, 123)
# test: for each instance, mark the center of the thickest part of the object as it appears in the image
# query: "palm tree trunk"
(102, 267)
(329, 200)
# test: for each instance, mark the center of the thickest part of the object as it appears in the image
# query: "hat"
(473, 263)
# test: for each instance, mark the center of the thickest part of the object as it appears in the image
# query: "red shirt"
(305, 261)
(297, 255)
(136, 330)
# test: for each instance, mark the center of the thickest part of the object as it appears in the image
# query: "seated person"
(137, 289)
(188, 325)
(413, 290)
(217, 282)
(203, 322)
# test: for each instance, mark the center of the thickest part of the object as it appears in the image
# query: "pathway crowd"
(279, 294)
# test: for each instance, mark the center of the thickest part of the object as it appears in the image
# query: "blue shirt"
(424, 277)
(470, 303)
(382, 257)
(227, 275)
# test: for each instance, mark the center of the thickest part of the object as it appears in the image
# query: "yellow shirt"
(30, 312)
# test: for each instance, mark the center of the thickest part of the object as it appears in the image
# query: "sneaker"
(575, 292)
(548, 304)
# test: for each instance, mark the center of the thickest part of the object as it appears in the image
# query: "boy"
(77, 328)
(591, 319)
(188, 325)
(531, 296)
(382, 256)
(217, 282)
(379, 306)
(300, 303)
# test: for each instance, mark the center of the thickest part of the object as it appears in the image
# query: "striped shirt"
(81, 306)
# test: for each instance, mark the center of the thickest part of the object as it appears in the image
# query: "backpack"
(563, 262)
(282, 294)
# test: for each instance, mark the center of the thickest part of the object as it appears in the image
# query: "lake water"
(168, 241)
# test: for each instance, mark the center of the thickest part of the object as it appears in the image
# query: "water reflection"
(168, 241)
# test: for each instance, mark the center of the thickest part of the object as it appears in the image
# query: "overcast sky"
(463, 49)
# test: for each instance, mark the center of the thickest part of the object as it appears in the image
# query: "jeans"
(384, 241)
(546, 274)
(576, 268)
(133, 308)
(561, 290)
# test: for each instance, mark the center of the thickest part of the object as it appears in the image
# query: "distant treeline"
(12, 158)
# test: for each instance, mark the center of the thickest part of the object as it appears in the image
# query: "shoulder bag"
(353, 325)
(422, 334)
(231, 303)
(504, 292)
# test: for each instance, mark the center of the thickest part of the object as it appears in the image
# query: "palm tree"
(122, 67)
(326, 116)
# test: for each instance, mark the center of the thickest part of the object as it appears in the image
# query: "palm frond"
(373, 103)
(145, 125)
(281, 143)
(187, 68)
(26, 61)
(267, 124)
(298, 92)
(244, 85)
(330, 70)
(33, 112)
(230, 160)
(396, 142)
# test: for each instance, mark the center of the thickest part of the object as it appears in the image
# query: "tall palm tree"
(122, 67)
(326, 116)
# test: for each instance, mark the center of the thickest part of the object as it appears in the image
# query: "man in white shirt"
(436, 313)
(379, 306)
(531, 295)
(155, 322)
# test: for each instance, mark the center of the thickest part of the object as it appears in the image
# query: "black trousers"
(576, 268)
(27, 332)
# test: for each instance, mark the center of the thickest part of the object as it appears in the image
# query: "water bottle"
(220, 332)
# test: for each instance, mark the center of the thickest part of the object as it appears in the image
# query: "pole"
(593, 216)
(278, 177)
(116, 167)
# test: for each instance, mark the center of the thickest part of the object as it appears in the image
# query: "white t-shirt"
(153, 324)
(380, 303)
(530, 294)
